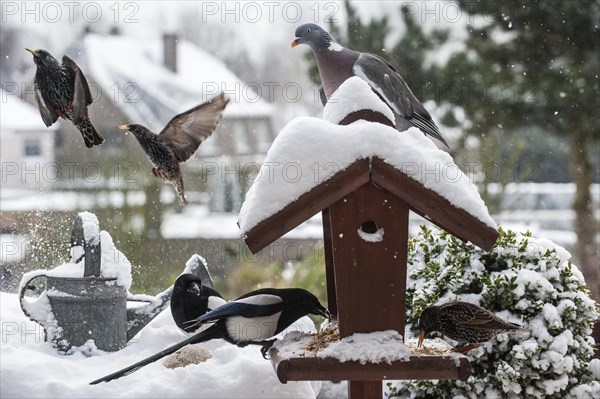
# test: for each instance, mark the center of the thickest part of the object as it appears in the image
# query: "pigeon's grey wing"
(387, 83)
(186, 131)
(49, 116)
(392, 89)
(82, 97)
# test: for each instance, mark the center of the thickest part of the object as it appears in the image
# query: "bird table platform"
(365, 208)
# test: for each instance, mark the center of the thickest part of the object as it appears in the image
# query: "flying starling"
(61, 90)
(463, 322)
(179, 139)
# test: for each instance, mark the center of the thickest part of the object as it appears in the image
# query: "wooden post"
(364, 389)
(369, 274)
(370, 277)
(329, 266)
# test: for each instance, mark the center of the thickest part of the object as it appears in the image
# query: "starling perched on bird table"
(62, 90)
(179, 139)
(463, 322)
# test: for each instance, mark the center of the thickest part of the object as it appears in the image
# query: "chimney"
(170, 51)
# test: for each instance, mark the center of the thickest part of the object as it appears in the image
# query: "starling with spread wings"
(179, 139)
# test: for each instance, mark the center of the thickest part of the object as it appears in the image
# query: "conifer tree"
(545, 73)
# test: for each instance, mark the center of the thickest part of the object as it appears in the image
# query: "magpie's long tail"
(213, 332)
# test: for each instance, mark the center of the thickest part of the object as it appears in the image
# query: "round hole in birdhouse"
(369, 227)
(370, 232)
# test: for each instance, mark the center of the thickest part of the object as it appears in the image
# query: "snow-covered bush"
(524, 280)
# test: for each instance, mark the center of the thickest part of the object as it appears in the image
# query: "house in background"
(27, 152)
(150, 80)
(27, 159)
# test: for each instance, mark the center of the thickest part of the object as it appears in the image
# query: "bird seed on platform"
(191, 354)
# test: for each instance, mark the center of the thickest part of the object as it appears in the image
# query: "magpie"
(252, 319)
(190, 299)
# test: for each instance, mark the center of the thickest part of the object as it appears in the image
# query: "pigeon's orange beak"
(295, 42)
(421, 338)
(123, 127)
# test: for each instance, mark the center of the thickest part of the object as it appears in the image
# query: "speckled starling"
(463, 322)
(62, 90)
(179, 139)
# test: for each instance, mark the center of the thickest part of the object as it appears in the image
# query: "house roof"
(18, 115)
(314, 163)
(150, 93)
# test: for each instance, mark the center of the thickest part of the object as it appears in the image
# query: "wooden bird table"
(365, 211)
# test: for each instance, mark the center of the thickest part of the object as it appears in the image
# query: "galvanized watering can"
(73, 310)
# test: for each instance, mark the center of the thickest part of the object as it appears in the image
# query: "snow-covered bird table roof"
(310, 155)
(365, 177)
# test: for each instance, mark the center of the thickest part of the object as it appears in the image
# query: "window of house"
(261, 135)
(240, 137)
(33, 148)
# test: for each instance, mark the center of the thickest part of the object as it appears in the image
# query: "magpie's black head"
(189, 284)
(308, 303)
(428, 322)
(312, 35)
(190, 299)
(42, 57)
(188, 287)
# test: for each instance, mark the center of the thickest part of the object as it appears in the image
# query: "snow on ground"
(308, 151)
(196, 221)
(28, 200)
(66, 201)
(31, 368)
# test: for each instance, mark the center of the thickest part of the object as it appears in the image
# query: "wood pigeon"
(336, 64)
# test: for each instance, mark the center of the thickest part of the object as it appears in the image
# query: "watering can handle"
(89, 238)
(22, 302)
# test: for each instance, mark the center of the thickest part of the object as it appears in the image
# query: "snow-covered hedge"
(525, 280)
